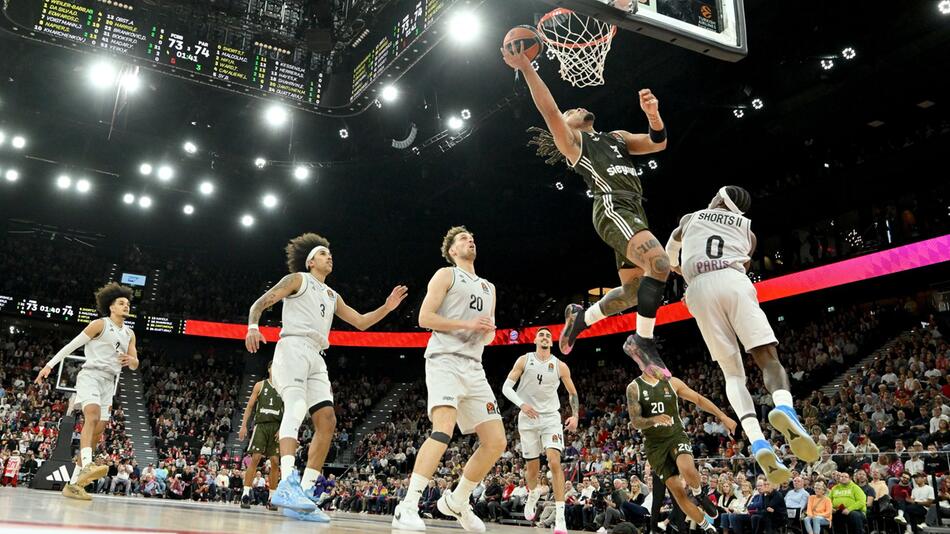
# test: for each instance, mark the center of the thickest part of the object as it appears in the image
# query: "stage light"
(12, 175)
(652, 164)
(455, 123)
(757, 103)
(827, 64)
(559, 186)
(944, 7)
(466, 114)
(206, 188)
(165, 173)
(3, 137)
(18, 142)
(102, 74)
(145, 169)
(260, 163)
(145, 202)
(269, 201)
(131, 82)
(64, 182)
(247, 221)
(848, 53)
(83, 185)
(590, 194)
(128, 198)
(344, 133)
(739, 113)
(276, 115)
(190, 147)
(827, 166)
(389, 93)
(464, 26)
(188, 209)
(301, 172)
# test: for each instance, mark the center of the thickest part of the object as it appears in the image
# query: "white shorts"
(460, 382)
(93, 387)
(298, 361)
(726, 306)
(538, 435)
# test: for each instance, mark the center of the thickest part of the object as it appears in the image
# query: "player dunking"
(603, 160)
(109, 345)
(268, 409)
(539, 421)
(717, 243)
(299, 370)
(653, 406)
(459, 308)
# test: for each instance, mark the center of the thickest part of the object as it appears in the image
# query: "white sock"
(534, 493)
(559, 511)
(247, 491)
(752, 429)
(417, 483)
(463, 491)
(593, 314)
(782, 397)
(645, 326)
(75, 476)
(85, 456)
(286, 466)
(309, 478)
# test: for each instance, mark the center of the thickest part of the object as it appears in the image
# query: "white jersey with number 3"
(715, 239)
(309, 312)
(468, 297)
(539, 383)
(102, 353)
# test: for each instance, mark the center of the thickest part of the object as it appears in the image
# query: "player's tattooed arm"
(633, 408)
(287, 286)
(575, 404)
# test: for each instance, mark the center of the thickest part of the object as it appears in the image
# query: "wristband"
(253, 326)
(658, 136)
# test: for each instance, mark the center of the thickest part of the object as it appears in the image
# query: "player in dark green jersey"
(604, 160)
(653, 406)
(268, 409)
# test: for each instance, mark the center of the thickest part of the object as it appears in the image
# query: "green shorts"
(264, 439)
(662, 454)
(617, 218)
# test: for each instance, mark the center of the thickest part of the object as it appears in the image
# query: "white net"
(579, 43)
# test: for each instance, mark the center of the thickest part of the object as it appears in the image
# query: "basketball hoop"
(580, 44)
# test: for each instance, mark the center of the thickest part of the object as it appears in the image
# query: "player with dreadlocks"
(604, 161)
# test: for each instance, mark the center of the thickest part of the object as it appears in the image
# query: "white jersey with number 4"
(539, 383)
(309, 312)
(468, 297)
(102, 353)
(715, 239)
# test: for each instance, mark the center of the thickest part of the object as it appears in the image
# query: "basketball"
(524, 38)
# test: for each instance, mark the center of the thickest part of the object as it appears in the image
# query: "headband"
(724, 195)
(314, 253)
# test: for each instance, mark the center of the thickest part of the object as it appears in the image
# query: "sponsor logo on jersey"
(448, 398)
(551, 366)
(485, 288)
(622, 169)
(555, 438)
(330, 294)
(490, 408)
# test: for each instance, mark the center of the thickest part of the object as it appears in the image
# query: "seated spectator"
(738, 519)
(818, 511)
(849, 505)
(797, 498)
(122, 478)
(922, 497)
(773, 513)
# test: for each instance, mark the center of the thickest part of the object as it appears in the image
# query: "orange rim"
(567, 12)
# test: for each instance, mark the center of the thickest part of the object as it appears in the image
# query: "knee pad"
(650, 296)
(295, 409)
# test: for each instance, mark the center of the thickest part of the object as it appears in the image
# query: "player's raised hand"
(571, 423)
(41, 376)
(662, 420)
(253, 340)
(242, 433)
(529, 411)
(648, 102)
(396, 297)
(515, 58)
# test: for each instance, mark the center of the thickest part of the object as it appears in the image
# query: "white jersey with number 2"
(715, 239)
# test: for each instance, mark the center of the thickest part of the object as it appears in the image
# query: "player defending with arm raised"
(299, 370)
(604, 161)
(653, 407)
(268, 409)
(539, 422)
(109, 345)
(459, 308)
(717, 243)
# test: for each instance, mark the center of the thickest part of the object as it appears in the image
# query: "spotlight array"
(344, 133)
(739, 113)
(827, 64)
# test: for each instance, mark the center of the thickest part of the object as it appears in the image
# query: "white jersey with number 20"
(715, 239)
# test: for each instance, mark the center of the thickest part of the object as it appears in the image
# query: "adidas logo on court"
(60, 475)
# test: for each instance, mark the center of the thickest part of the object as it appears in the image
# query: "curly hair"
(299, 247)
(546, 148)
(741, 197)
(449, 240)
(108, 294)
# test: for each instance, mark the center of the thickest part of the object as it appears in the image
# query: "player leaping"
(717, 243)
(299, 370)
(603, 160)
(539, 421)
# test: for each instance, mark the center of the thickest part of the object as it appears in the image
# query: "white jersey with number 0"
(102, 353)
(715, 239)
(309, 312)
(539, 383)
(468, 297)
